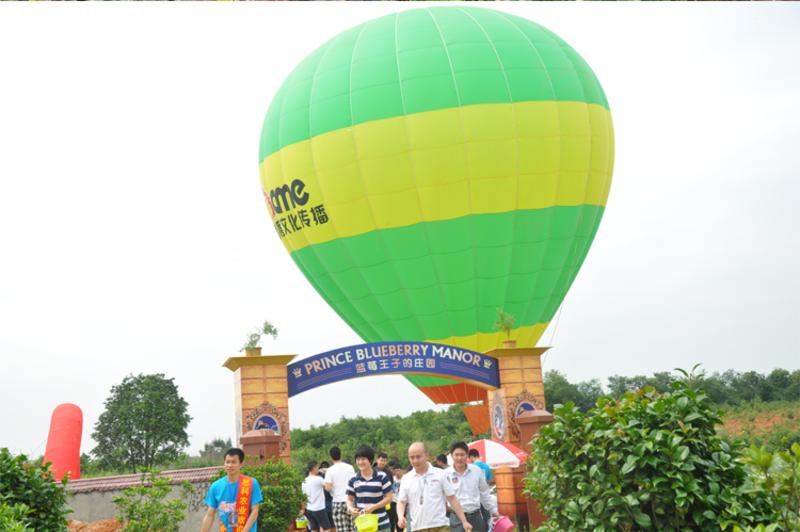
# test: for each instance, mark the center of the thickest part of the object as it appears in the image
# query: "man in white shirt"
(425, 489)
(314, 488)
(472, 491)
(336, 479)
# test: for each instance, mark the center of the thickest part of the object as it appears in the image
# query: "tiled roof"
(120, 482)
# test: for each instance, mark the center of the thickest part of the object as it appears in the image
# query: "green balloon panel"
(423, 60)
(441, 279)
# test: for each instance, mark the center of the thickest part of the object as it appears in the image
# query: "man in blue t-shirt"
(475, 459)
(370, 491)
(223, 494)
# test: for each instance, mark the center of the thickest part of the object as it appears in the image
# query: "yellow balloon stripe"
(444, 164)
(526, 336)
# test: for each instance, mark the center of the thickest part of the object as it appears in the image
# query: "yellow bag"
(301, 523)
(367, 523)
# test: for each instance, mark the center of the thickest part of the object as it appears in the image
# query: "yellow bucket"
(367, 523)
(301, 523)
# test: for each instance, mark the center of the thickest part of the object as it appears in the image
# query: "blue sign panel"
(267, 422)
(387, 358)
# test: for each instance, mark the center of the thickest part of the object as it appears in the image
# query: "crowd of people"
(425, 497)
(421, 498)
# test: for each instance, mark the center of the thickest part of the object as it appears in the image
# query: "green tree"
(31, 495)
(87, 464)
(215, 449)
(792, 392)
(779, 382)
(619, 385)
(719, 387)
(729, 387)
(751, 386)
(558, 391)
(647, 461)
(143, 425)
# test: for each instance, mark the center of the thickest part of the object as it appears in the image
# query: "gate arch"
(393, 358)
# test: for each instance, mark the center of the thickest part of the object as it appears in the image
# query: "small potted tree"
(504, 324)
(251, 348)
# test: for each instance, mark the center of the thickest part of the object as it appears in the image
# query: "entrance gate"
(511, 376)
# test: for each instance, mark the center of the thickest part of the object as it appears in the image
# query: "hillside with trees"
(755, 408)
(763, 409)
(728, 388)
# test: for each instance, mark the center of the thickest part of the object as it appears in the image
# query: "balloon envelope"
(64, 441)
(429, 167)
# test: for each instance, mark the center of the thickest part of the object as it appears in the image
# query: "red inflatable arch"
(64, 441)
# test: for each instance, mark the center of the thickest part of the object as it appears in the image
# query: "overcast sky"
(134, 237)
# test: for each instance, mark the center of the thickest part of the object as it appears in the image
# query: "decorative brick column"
(521, 390)
(262, 395)
(529, 425)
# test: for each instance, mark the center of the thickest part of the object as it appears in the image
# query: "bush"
(144, 508)
(778, 475)
(282, 492)
(32, 485)
(645, 461)
(12, 517)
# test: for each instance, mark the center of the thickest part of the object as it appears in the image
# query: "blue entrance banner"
(393, 358)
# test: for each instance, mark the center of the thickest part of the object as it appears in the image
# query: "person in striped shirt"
(370, 491)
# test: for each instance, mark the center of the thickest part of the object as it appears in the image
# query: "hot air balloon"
(431, 166)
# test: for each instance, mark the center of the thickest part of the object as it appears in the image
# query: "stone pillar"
(529, 425)
(262, 395)
(521, 390)
(260, 446)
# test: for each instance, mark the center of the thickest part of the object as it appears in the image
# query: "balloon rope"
(38, 448)
(555, 328)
